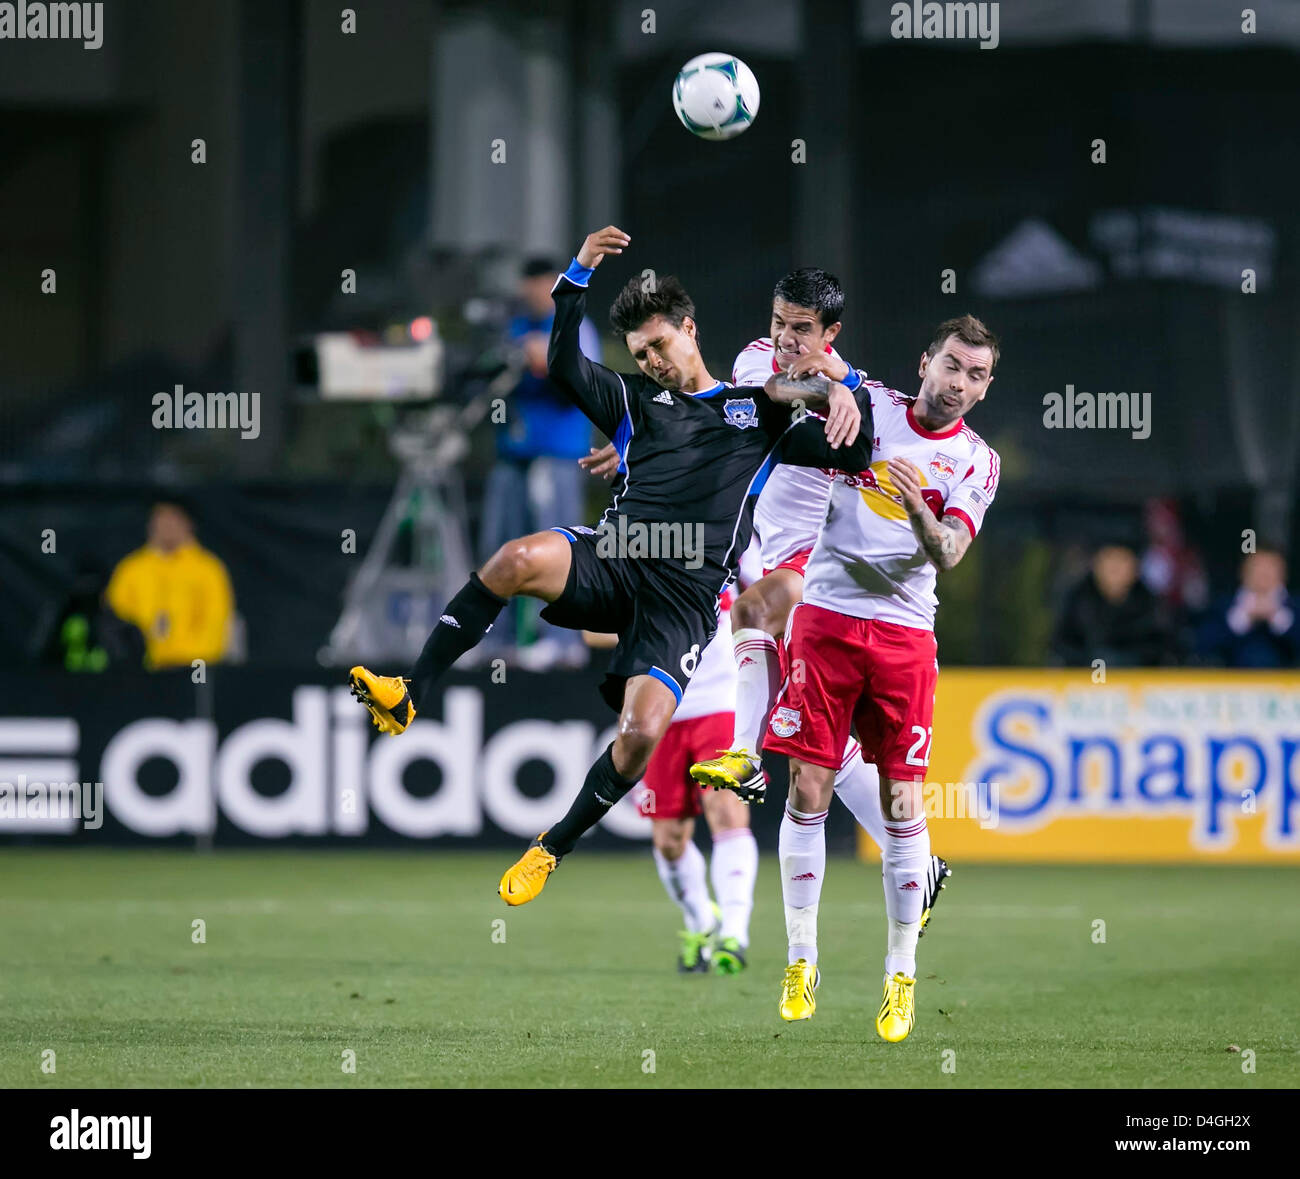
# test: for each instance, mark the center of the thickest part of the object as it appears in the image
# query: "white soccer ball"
(715, 96)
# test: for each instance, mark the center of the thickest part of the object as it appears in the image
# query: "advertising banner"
(1144, 766)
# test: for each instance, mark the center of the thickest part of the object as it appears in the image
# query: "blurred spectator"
(1172, 568)
(82, 633)
(1111, 615)
(1257, 626)
(175, 591)
(536, 482)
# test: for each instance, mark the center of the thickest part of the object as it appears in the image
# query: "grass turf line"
(392, 956)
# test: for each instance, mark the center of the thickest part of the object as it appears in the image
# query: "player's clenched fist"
(609, 240)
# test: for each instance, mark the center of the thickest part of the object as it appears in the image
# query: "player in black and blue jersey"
(694, 455)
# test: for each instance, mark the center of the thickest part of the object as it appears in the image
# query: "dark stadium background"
(369, 151)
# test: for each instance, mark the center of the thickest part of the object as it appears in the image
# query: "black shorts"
(663, 618)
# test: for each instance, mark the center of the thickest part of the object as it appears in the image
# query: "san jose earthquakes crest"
(741, 413)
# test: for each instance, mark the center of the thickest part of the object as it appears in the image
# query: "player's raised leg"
(733, 869)
(536, 565)
(648, 706)
(757, 617)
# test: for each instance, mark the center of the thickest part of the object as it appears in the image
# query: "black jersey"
(698, 460)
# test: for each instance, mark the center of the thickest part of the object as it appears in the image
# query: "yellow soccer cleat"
(735, 769)
(386, 697)
(897, 1009)
(797, 999)
(526, 877)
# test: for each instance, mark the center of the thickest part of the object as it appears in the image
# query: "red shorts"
(668, 791)
(798, 562)
(877, 677)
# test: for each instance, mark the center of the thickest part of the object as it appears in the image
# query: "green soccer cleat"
(728, 956)
(693, 957)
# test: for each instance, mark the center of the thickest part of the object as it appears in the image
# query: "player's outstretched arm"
(945, 541)
(596, 390)
(843, 439)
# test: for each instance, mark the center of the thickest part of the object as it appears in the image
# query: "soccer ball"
(715, 96)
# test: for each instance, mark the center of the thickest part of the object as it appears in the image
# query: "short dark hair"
(175, 504)
(970, 331)
(813, 288)
(635, 304)
(536, 267)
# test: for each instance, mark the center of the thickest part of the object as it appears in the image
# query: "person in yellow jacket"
(175, 591)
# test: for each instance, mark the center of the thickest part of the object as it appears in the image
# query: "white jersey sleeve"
(970, 499)
(753, 364)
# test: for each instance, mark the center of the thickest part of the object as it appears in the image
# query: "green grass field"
(393, 957)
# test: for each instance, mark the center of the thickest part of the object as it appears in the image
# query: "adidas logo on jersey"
(663, 398)
(910, 886)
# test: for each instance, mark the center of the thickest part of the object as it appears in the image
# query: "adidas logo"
(746, 662)
(808, 876)
(450, 621)
(910, 886)
(663, 398)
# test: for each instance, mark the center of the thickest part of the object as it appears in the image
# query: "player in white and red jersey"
(715, 936)
(864, 638)
(806, 309)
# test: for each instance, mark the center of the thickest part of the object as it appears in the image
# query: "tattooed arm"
(945, 541)
(810, 378)
(812, 391)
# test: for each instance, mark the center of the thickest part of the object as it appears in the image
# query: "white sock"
(905, 858)
(733, 870)
(758, 677)
(858, 787)
(801, 848)
(684, 880)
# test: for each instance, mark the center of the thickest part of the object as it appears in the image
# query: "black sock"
(473, 610)
(602, 789)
